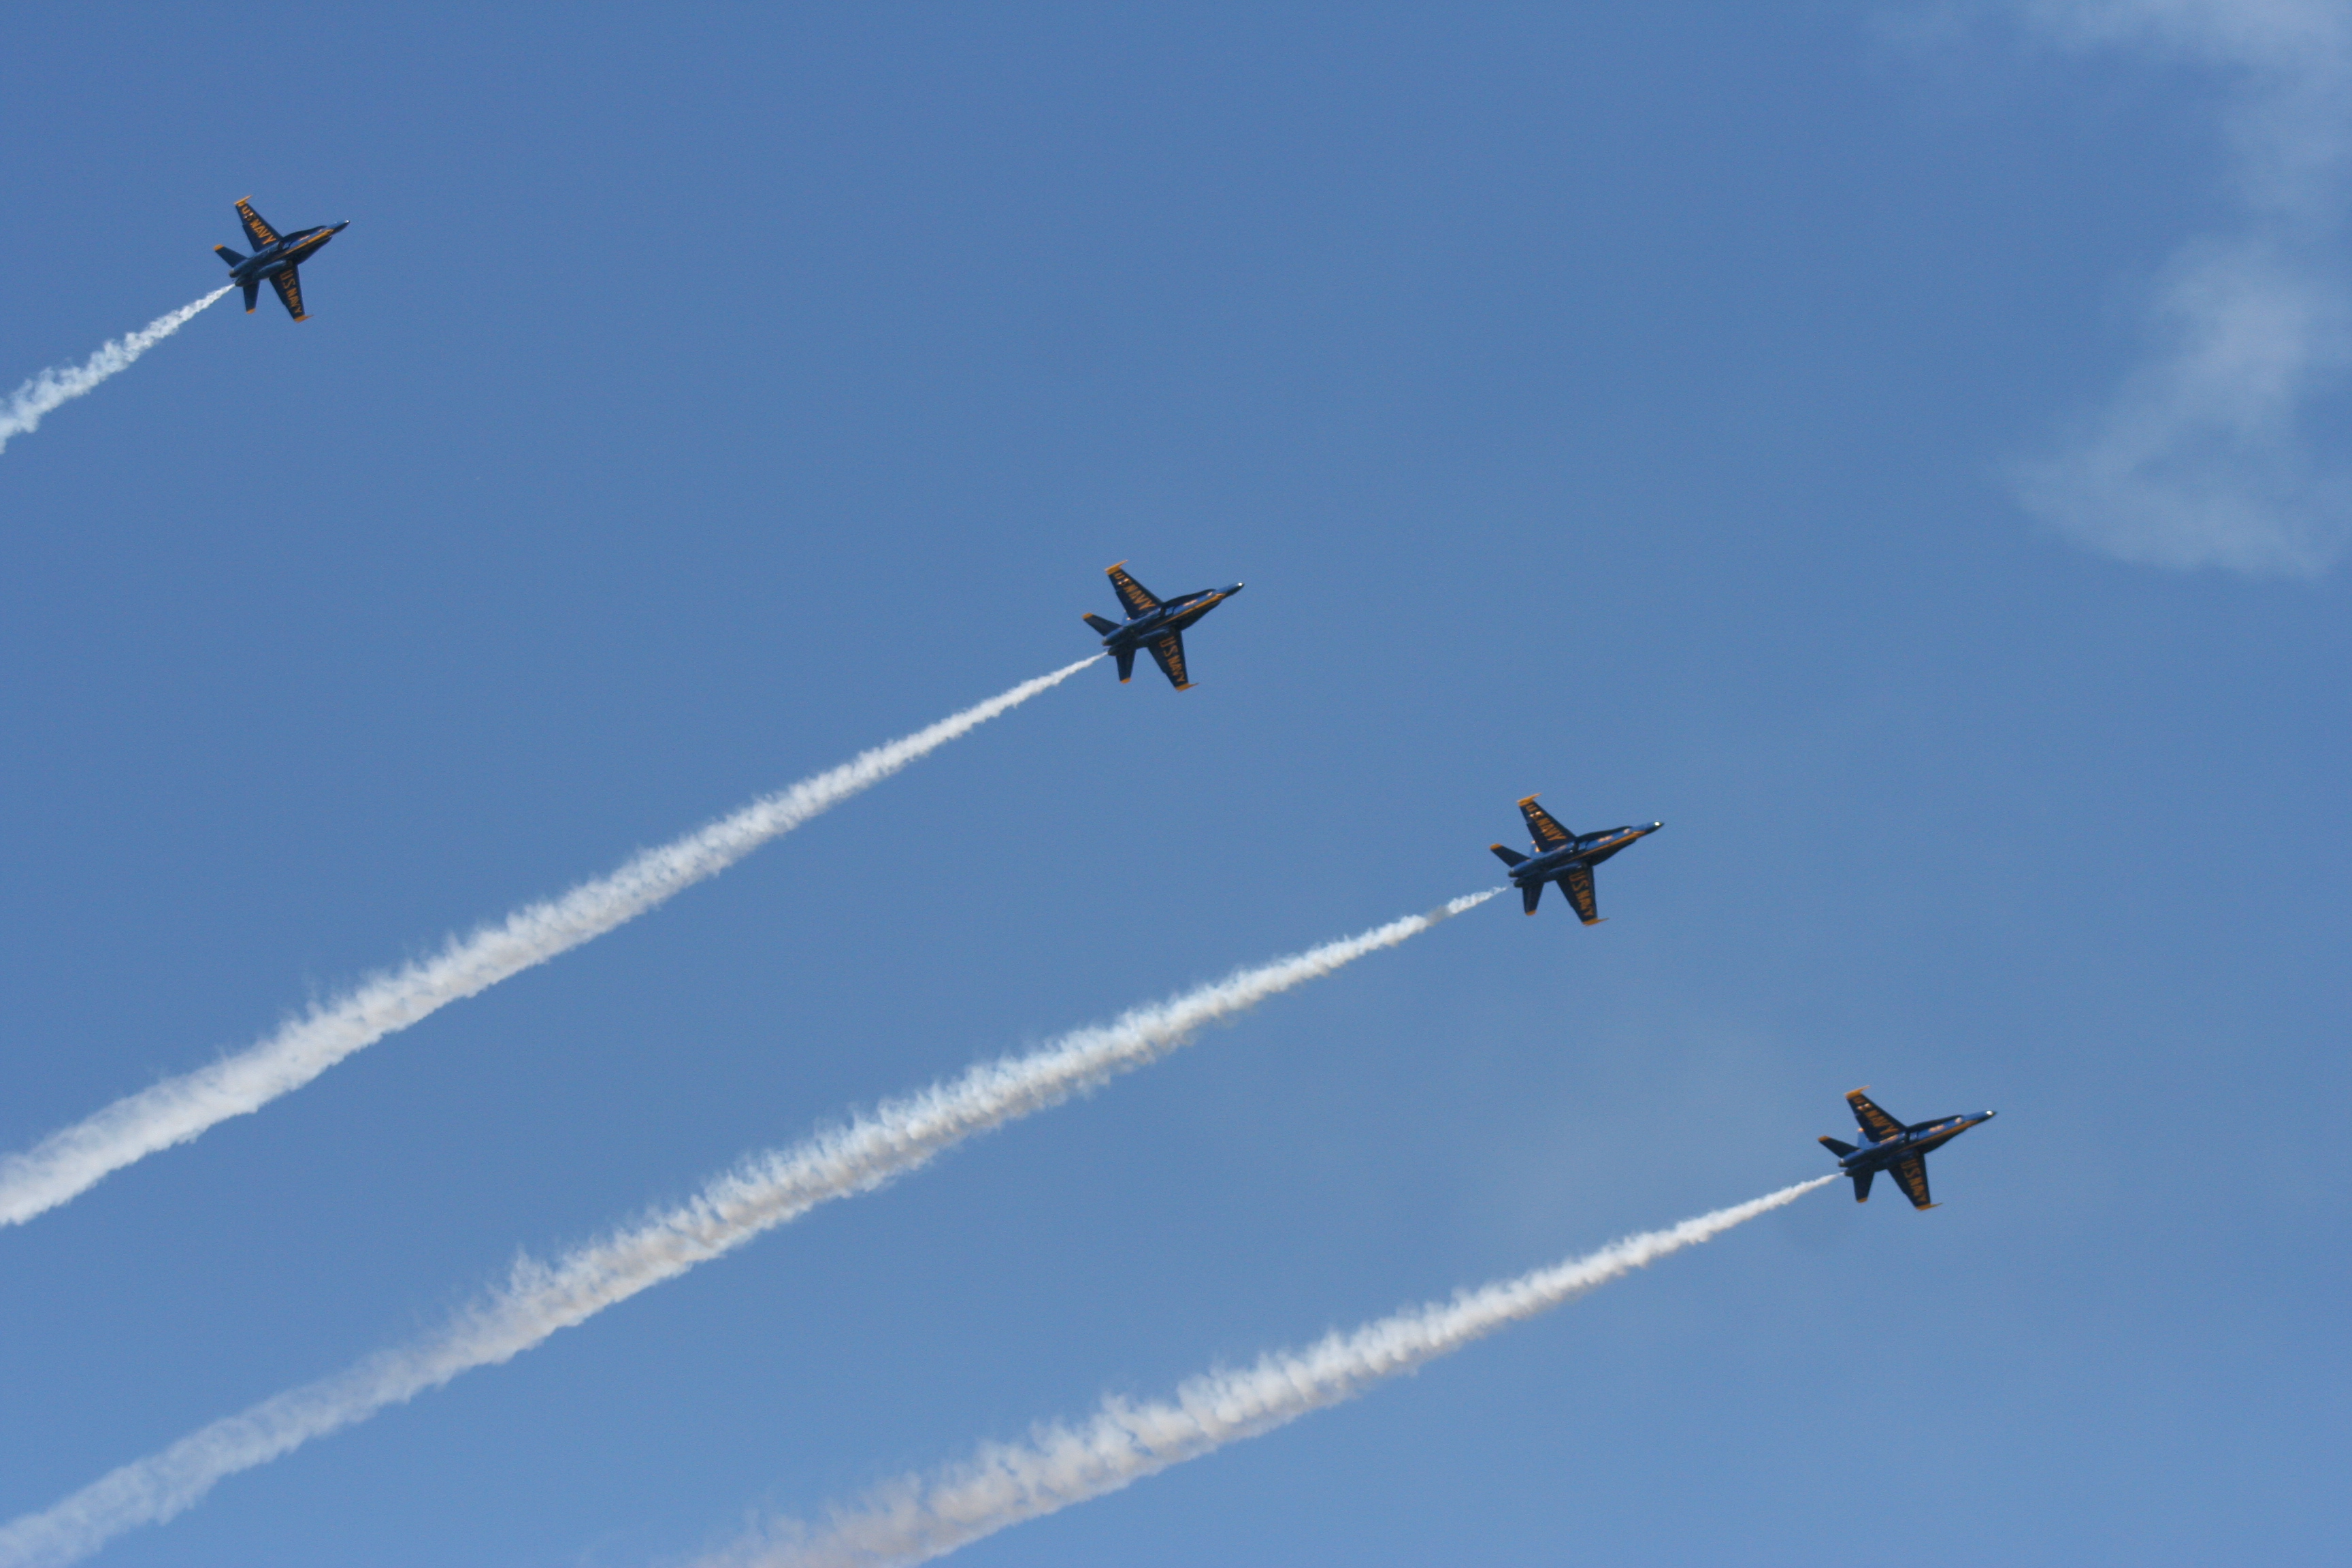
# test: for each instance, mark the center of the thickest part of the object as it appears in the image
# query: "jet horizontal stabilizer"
(1508, 856)
(1102, 624)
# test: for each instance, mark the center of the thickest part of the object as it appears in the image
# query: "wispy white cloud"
(73, 1160)
(918, 1518)
(42, 395)
(2202, 457)
(2293, 64)
(764, 1192)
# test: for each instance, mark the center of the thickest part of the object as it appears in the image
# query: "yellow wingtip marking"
(1527, 800)
(1113, 567)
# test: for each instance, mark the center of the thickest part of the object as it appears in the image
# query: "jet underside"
(1895, 1148)
(1154, 625)
(277, 259)
(1564, 858)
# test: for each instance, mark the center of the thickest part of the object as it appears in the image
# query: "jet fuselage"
(290, 251)
(1169, 616)
(1588, 849)
(1914, 1140)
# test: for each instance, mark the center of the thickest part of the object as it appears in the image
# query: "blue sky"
(1658, 410)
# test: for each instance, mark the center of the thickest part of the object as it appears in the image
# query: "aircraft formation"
(1556, 855)
(898, 1135)
(1156, 627)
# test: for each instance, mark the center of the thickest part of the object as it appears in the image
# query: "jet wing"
(1167, 653)
(289, 290)
(1132, 594)
(1911, 1175)
(1546, 833)
(1875, 1123)
(1578, 885)
(257, 227)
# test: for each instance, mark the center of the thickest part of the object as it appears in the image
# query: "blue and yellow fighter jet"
(1154, 623)
(1565, 858)
(1900, 1150)
(275, 257)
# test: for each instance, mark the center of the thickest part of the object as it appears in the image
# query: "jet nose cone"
(1236, 588)
(1655, 825)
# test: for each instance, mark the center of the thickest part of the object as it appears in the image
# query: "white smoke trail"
(762, 1193)
(917, 1519)
(69, 1162)
(46, 390)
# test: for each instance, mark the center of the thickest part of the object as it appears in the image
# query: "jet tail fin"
(1529, 893)
(252, 293)
(1506, 854)
(225, 254)
(1125, 665)
(1861, 1180)
(1102, 626)
(1837, 1148)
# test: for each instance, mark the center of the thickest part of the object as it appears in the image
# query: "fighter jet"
(275, 257)
(1564, 857)
(1154, 623)
(1889, 1145)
